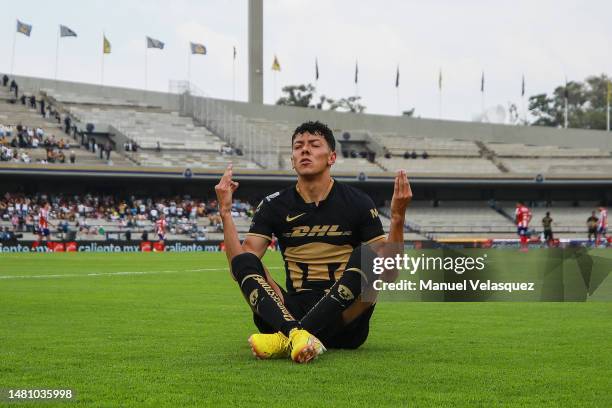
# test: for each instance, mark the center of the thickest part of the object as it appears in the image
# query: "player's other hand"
(402, 195)
(225, 189)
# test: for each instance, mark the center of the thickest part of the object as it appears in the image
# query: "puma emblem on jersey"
(289, 219)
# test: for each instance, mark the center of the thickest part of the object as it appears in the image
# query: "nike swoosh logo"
(289, 219)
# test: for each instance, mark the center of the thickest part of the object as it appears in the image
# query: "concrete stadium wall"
(443, 129)
(162, 99)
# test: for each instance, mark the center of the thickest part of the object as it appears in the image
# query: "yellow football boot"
(304, 346)
(266, 346)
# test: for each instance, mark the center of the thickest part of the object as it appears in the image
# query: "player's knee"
(348, 288)
(245, 264)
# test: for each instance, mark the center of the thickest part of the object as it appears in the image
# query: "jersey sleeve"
(370, 226)
(261, 225)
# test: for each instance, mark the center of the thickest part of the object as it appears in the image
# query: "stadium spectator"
(22, 99)
(72, 157)
(108, 149)
(5, 79)
(67, 122)
(592, 226)
(33, 101)
(42, 108)
(547, 224)
(13, 87)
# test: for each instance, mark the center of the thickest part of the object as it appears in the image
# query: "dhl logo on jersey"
(316, 230)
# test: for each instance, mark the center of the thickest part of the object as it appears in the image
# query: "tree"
(303, 95)
(350, 104)
(297, 95)
(586, 104)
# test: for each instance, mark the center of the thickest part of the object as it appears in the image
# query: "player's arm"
(253, 243)
(402, 196)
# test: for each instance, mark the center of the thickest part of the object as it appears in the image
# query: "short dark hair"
(316, 128)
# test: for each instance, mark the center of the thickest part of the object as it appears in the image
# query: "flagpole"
(608, 116)
(608, 109)
(566, 97)
(397, 95)
(146, 70)
(482, 102)
(234, 77)
(566, 114)
(440, 94)
(189, 69)
(57, 52)
(13, 55)
(102, 64)
(482, 92)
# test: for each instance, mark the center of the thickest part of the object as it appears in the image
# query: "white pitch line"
(74, 275)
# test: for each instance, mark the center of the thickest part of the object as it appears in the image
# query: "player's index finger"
(227, 174)
(396, 182)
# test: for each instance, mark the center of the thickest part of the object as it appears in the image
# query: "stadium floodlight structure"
(255, 51)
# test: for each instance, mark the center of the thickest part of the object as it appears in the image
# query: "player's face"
(311, 154)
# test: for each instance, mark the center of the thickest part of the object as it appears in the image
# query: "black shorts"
(337, 335)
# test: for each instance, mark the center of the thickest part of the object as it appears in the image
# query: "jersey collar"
(328, 193)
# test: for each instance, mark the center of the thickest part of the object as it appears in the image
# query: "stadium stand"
(164, 138)
(178, 131)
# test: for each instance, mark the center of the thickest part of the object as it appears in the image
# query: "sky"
(544, 40)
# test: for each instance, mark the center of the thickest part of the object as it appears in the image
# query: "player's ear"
(332, 158)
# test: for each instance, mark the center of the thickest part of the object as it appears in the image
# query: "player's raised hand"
(402, 194)
(225, 189)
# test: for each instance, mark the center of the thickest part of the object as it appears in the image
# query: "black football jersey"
(316, 241)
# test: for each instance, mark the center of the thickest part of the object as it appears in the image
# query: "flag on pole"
(106, 45)
(316, 69)
(234, 52)
(609, 98)
(440, 80)
(153, 43)
(397, 77)
(482, 82)
(275, 64)
(66, 32)
(24, 28)
(523, 86)
(356, 72)
(198, 48)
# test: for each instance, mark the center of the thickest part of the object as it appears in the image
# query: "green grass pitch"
(175, 335)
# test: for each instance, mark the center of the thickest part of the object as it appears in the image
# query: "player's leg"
(289, 338)
(342, 304)
(265, 302)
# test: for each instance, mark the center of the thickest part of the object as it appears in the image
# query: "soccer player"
(43, 222)
(320, 225)
(592, 222)
(602, 225)
(160, 229)
(522, 216)
(547, 224)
